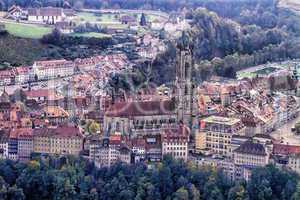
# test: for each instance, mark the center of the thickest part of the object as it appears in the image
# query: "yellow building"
(58, 140)
(215, 134)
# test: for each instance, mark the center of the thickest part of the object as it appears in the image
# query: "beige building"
(53, 69)
(251, 154)
(215, 134)
(294, 162)
(175, 142)
(58, 140)
(47, 15)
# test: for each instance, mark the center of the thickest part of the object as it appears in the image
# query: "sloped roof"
(252, 148)
(145, 108)
(48, 11)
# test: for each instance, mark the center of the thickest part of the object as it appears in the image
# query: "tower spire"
(184, 85)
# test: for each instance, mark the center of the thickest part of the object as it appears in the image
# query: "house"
(153, 147)
(251, 154)
(16, 13)
(23, 74)
(42, 95)
(55, 115)
(7, 77)
(127, 19)
(294, 162)
(47, 15)
(25, 144)
(4, 135)
(175, 142)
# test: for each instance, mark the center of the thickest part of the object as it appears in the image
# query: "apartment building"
(175, 142)
(251, 154)
(64, 139)
(215, 134)
(45, 70)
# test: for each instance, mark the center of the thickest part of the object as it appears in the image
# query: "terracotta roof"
(252, 148)
(64, 131)
(48, 11)
(285, 149)
(20, 133)
(55, 111)
(146, 108)
(38, 93)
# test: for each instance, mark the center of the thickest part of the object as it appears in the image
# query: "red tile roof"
(285, 149)
(146, 108)
(64, 131)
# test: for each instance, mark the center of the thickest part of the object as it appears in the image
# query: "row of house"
(151, 147)
(44, 70)
(20, 143)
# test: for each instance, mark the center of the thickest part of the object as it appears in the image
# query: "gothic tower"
(184, 85)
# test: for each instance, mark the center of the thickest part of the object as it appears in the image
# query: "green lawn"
(91, 34)
(94, 18)
(26, 30)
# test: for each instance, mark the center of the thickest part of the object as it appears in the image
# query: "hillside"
(18, 51)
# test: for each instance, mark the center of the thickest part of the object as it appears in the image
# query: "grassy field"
(26, 30)
(109, 20)
(92, 34)
(94, 18)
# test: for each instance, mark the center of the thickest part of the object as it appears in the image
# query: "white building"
(251, 154)
(44, 70)
(294, 162)
(23, 75)
(175, 142)
(48, 15)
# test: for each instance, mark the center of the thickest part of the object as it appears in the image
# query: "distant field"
(92, 34)
(94, 18)
(109, 20)
(27, 31)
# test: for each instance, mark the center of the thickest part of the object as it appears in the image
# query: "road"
(286, 133)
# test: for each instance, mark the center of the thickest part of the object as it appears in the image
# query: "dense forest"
(70, 178)
(227, 36)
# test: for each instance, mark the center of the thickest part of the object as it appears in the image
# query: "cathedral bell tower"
(183, 82)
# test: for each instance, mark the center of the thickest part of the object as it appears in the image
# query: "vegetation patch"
(26, 30)
(90, 35)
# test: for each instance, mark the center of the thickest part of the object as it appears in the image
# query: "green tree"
(143, 21)
(296, 195)
(15, 193)
(237, 192)
(181, 194)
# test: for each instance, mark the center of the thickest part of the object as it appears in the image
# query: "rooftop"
(249, 147)
(221, 120)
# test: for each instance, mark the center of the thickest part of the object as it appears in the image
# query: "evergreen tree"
(143, 21)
